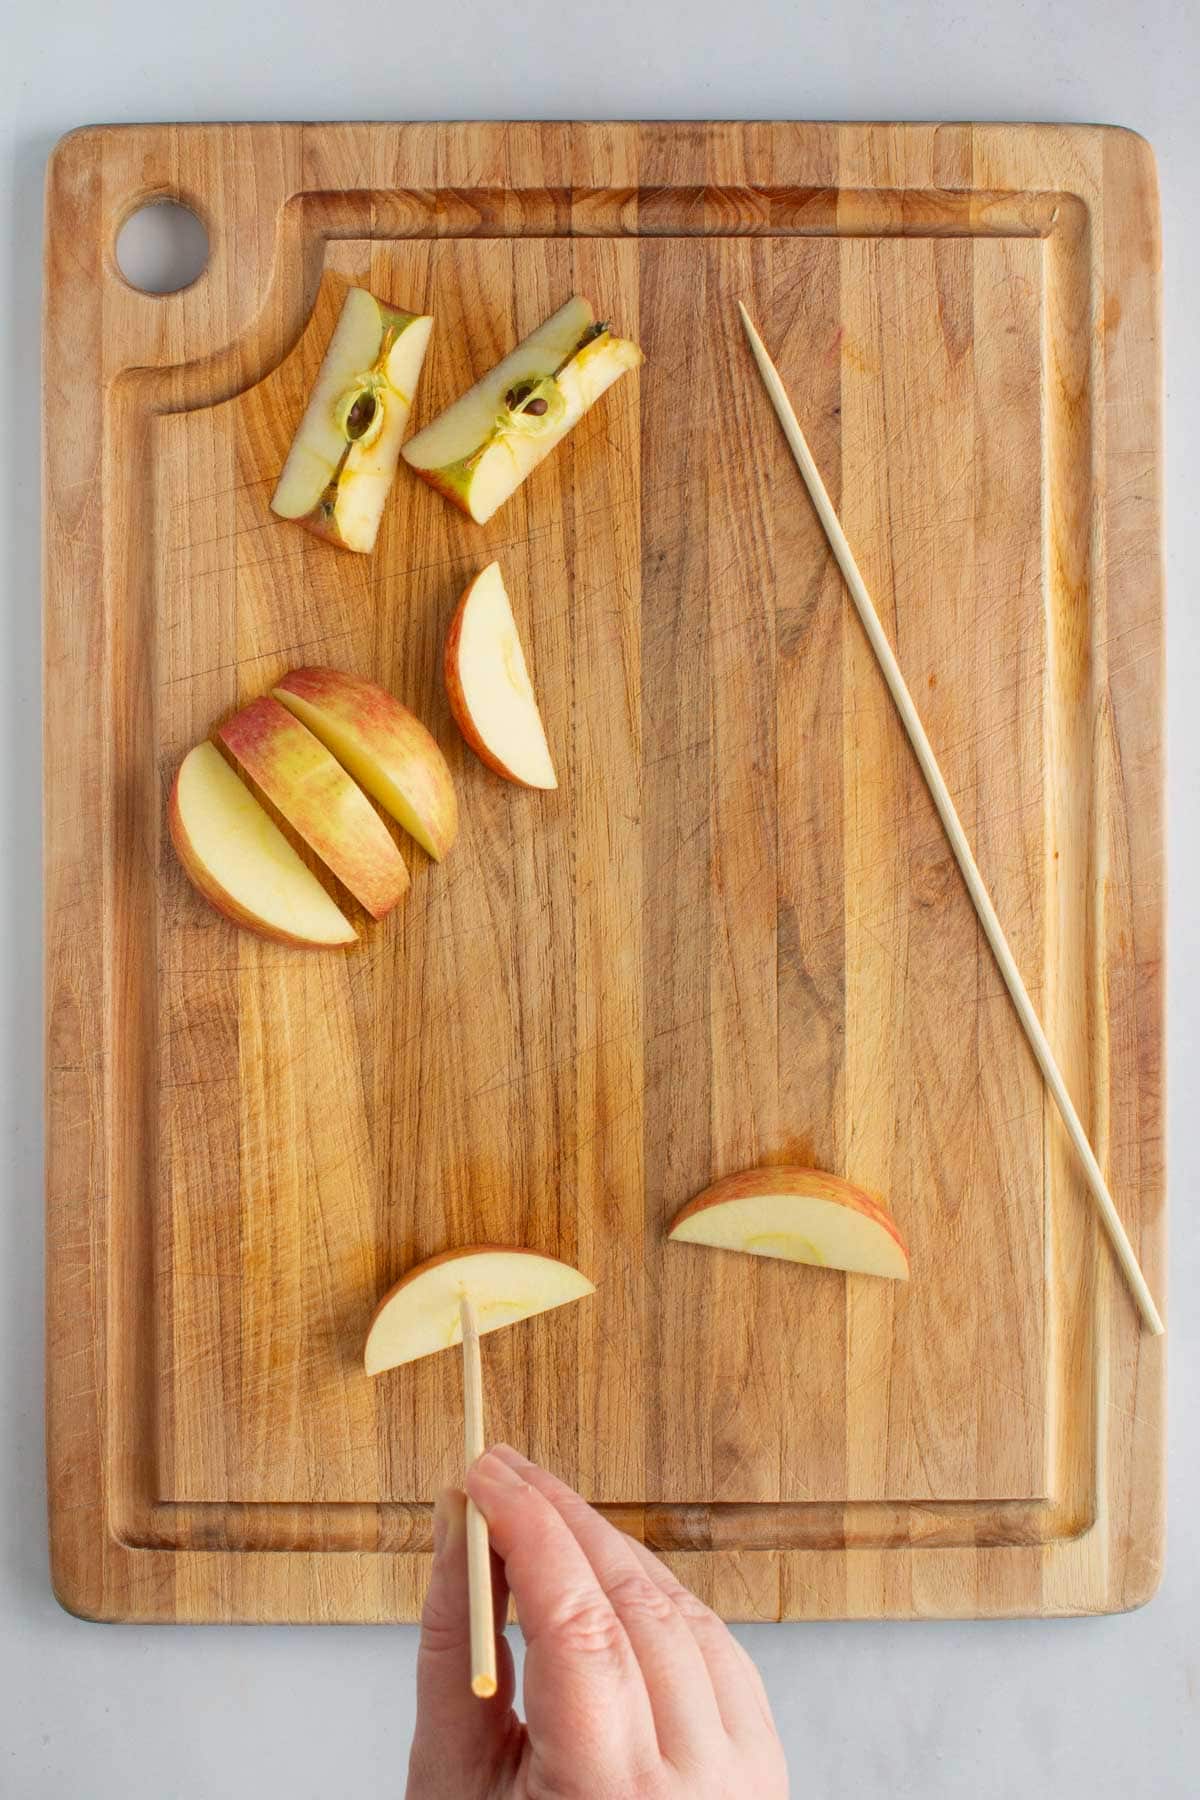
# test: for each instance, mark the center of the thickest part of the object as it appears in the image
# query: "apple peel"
(488, 685)
(319, 800)
(236, 856)
(384, 747)
(422, 1313)
(796, 1215)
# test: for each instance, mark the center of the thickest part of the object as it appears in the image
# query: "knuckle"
(439, 1635)
(698, 1616)
(635, 1594)
(589, 1628)
(442, 1624)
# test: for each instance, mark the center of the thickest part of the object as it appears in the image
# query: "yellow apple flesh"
(344, 455)
(422, 1313)
(384, 746)
(799, 1215)
(242, 863)
(479, 451)
(488, 685)
(318, 799)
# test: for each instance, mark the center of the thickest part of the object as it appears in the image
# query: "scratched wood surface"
(734, 935)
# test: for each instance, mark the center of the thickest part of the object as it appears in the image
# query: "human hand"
(634, 1690)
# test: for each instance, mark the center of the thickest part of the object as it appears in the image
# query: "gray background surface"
(1083, 1707)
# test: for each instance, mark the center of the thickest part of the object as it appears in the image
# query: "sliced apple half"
(240, 860)
(344, 454)
(422, 1313)
(800, 1215)
(479, 451)
(384, 746)
(488, 685)
(318, 799)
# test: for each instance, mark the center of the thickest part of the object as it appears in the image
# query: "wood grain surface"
(734, 935)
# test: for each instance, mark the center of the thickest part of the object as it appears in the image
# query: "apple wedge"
(240, 860)
(318, 799)
(479, 451)
(488, 685)
(423, 1312)
(384, 746)
(800, 1215)
(343, 457)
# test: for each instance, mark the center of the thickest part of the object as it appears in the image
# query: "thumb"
(459, 1740)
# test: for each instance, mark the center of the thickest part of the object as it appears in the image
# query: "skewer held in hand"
(479, 1555)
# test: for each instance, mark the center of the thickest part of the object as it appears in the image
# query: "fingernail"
(495, 1473)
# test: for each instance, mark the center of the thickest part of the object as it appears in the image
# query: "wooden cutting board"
(735, 935)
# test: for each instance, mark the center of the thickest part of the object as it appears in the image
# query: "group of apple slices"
(311, 747)
(795, 1215)
(317, 746)
(477, 453)
(323, 741)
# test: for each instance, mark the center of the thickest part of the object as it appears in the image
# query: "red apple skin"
(454, 687)
(381, 715)
(261, 738)
(458, 700)
(216, 896)
(815, 1182)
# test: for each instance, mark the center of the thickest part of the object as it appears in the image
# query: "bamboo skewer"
(479, 1555)
(988, 918)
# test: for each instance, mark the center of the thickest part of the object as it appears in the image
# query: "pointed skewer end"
(755, 341)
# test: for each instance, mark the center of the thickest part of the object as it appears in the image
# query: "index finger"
(687, 1716)
(584, 1690)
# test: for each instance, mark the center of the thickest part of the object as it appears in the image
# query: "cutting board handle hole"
(162, 248)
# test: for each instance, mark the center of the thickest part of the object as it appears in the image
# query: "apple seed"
(360, 416)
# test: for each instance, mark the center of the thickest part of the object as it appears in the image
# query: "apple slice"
(318, 798)
(488, 685)
(422, 1313)
(480, 450)
(346, 448)
(240, 860)
(384, 746)
(800, 1215)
